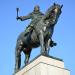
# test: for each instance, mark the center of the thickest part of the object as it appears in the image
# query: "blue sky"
(10, 28)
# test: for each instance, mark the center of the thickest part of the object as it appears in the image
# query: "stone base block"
(44, 65)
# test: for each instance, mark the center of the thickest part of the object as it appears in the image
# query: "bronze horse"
(40, 36)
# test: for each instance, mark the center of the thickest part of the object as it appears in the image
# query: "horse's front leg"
(41, 39)
(47, 46)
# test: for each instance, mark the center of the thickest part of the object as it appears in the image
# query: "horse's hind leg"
(18, 59)
(27, 52)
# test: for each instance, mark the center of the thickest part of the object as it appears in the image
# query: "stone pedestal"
(44, 65)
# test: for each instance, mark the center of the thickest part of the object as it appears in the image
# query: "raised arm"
(22, 18)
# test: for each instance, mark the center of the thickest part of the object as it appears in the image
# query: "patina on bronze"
(38, 33)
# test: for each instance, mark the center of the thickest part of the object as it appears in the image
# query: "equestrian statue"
(38, 33)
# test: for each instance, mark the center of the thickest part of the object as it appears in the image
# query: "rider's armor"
(36, 15)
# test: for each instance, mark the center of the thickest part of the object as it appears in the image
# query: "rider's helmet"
(36, 8)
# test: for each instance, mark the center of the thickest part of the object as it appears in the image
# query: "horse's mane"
(49, 10)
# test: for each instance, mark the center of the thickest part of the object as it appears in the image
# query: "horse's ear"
(61, 5)
(54, 4)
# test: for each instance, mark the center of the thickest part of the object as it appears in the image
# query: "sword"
(17, 9)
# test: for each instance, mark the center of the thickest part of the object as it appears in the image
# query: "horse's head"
(53, 14)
